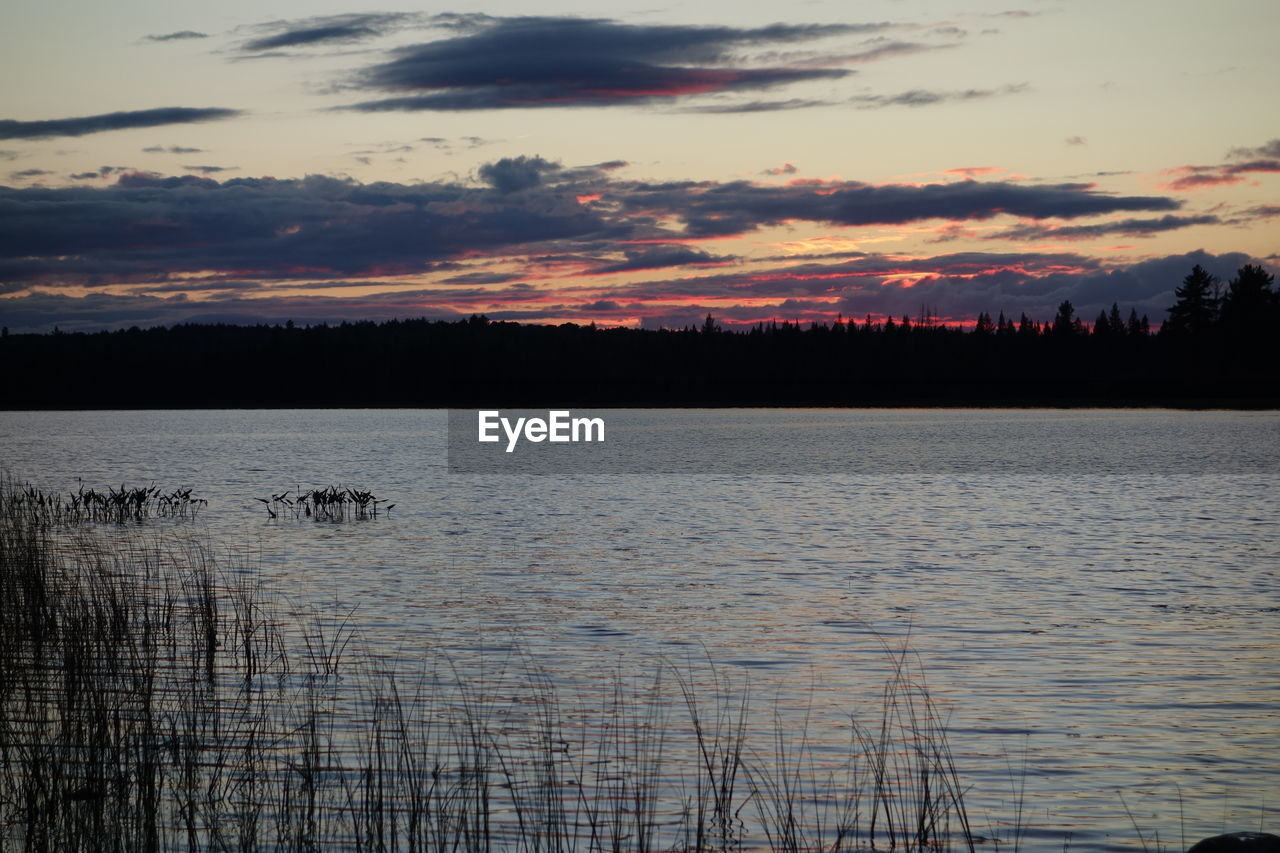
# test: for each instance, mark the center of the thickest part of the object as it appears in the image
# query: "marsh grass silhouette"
(152, 699)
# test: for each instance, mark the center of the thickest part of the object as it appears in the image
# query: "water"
(1090, 636)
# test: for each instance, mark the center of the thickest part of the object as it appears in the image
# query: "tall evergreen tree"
(1134, 325)
(1250, 305)
(1064, 323)
(1102, 326)
(1115, 320)
(1004, 326)
(1196, 309)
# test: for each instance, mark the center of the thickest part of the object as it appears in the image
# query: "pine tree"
(1065, 323)
(1003, 325)
(1134, 326)
(1114, 319)
(1249, 304)
(1102, 326)
(1196, 310)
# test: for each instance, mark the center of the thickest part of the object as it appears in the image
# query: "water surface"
(1090, 630)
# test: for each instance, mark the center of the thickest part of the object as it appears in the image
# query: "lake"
(1092, 596)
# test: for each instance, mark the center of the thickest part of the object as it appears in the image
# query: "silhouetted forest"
(1217, 348)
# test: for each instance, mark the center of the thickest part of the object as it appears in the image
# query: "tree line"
(1217, 348)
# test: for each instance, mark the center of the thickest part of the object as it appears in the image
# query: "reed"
(332, 503)
(152, 699)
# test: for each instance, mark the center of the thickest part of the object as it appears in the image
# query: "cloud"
(659, 257)
(210, 170)
(511, 174)
(973, 171)
(29, 173)
(82, 125)
(102, 172)
(503, 63)
(1126, 228)
(481, 278)
(147, 228)
(1268, 150)
(181, 35)
(1077, 140)
(324, 30)
(172, 149)
(955, 286)
(740, 207)
(784, 169)
(1265, 158)
(754, 106)
(928, 98)
(891, 49)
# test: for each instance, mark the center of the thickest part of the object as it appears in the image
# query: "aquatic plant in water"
(332, 503)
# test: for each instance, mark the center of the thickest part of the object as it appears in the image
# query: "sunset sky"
(628, 164)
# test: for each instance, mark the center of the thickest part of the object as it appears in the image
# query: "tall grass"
(151, 699)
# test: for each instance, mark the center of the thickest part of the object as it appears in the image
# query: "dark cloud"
(204, 287)
(146, 228)
(755, 106)
(29, 173)
(889, 49)
(1077, 140)
(311, 35)
(82, 125)
(210, 170)
(954, 286)
(1126, 228)
(927, 98)
(178, 36)
(855, 274)
(172, 149)
(601, 305)
(659, 257)
(386, 148)
(735, 208)
(103, 172)
(481, 278)
(500, 63)
(1268, 150)
(448, 146)
(511, 174)
(1264, 158)
(324, 30)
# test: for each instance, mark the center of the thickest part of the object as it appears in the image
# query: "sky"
(629, 164)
